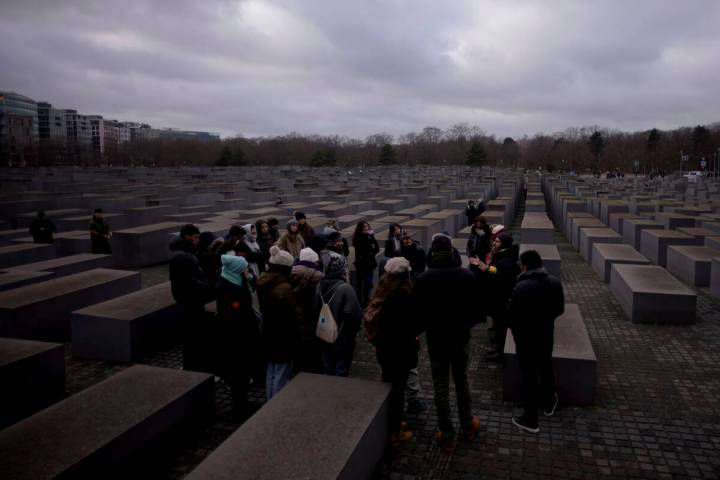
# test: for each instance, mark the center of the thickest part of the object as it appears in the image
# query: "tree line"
(574, 149)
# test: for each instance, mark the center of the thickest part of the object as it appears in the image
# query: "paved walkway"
(657, 413)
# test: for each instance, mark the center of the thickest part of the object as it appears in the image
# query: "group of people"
(271, 287)
(43, 230)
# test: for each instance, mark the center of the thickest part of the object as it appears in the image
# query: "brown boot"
(400, 438)
(445, 442)
(472, 432)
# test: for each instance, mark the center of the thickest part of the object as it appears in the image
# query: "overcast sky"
(358, 68)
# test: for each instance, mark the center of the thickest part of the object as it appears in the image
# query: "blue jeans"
(278, 375)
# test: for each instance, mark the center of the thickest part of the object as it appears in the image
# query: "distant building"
(203, 137)
(97, 134)
(18, 128)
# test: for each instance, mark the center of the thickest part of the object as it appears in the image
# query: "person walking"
(536, 301)
(42, 229)
(291, 241)
(191, 291)
(280, 329)
(346, 310)
(99, 233)
(238, 332)
(395, 340)
(440, 297)
(366, 248)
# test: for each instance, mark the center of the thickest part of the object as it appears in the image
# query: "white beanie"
(397, 266)
(280, 257)
(307, 254)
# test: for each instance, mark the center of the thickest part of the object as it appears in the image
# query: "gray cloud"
(355, 68)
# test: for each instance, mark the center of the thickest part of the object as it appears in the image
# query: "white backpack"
(327, 329)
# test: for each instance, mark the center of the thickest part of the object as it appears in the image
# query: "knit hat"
(506, 240)
(308, 255)
(397, 266)
(331, 235)
(232, 268)
(498, 229)
(290, 223)
(336, 266)
(299, 215)
(280, 257)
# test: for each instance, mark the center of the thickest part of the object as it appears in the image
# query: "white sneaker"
(550, 413)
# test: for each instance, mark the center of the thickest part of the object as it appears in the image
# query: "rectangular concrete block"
(537, 229)
(548, 253)
(574, 362)
(127, 328)
(632, 230)
(18, 254)
(715, 277)
(590, 236)
(649, 294)
(322, 427)
(94, 433)
(16, 279)
(605, 255)
(41, 311)
(67, 265)
(691, 263)
(654, 244)
(32, 376)
(143, 246)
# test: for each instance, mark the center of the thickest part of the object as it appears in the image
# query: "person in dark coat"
(274, 225)
(191, 291)
(393, 244)
(498, 280)
(478, 245)
(366, 248)
(440, 298)
(207, 255)
(42, 229)
(305, 230)
(396, 338)
(265, 240)
(305, 277)
(413, 254)
(536, 301)
(430, 251)
(99, 233)
(471, 212)
(345, 307)
(281, 331)
(238, 331)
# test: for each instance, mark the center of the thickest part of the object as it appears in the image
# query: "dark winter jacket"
(42, 230)
(307, 232)
(398, 327)
(441, 305)
(304, 279)
(390, 248)
(187, 280)
(366, 247)
(416, 256)
(344, 306)
(238, 327)
(536, 301)
(280, 329)
(478, 245)
(499, 285)
(471, 213)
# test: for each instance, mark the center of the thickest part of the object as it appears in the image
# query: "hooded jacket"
(344, 306)
(187, 280)
(291, 243)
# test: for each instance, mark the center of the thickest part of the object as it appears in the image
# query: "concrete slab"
(654, 244)
(590, 236)
(95, 432)
(32, 376)
(294, 426)
(633, 227)
(691, 263)
(18, 254)
(605, 255)
(574, 362)
(649, 294)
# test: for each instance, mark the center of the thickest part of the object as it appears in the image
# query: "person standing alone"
(99, 233)
(536, 301)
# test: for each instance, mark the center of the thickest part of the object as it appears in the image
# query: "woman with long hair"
(395, 338)
(366, 248)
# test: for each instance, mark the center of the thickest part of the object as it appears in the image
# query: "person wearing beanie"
(305, 276)
(440, 300)
(413, 254)
(396, 330)
(100, 233)
(305, 230)
(292, 241)
(455, 252)
(238, 332)
(345, 307)
(280, 331)
(366, 248)
(191, 292)
(498, 279)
